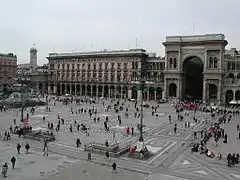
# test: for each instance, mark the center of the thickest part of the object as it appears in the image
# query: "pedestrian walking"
(18, 148)
(13, 161)
(45, 144)
(107, 155)
(45, 152)
(27, 147)
(114, 167)
(195, 135)
(78, 142)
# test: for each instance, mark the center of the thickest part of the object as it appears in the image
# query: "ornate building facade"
(232, 75)
(194, 67)
(112, 74)
(8, 68)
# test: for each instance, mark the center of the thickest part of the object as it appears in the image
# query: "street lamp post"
(142, 86)
(22, 105)
(22, 98)
(141, 119)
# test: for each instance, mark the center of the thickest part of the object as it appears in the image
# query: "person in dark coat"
(13, 160)
(114, 167)
(18, 148)
(27, 147)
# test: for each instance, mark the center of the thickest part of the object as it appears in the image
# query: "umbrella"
(233, 102)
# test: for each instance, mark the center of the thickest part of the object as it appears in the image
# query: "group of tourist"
(217, 132)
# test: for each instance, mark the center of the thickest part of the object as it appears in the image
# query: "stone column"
(139, 95)
(220, 66)
(102, 91)
(165, 89)
(65, 89)
(71, 89)
(85, 91)
(37, 86)
(205, 61)
(129, 94)
(147, 95)
(155, 95)
(204, 91)
(54, 89)
(49, 89)
(178, 90)
(234, 95)
(109, 92)
(219, 92)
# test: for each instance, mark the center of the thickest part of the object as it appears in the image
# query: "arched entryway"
(40, 87)
(58, 89)
(134, 92)
(63, 89)
(78, 92)
(83, 90)
(192, 78)
(118, 92)
(151, 93)
(158, 93)
(172, 90)
(106, 91)
(212, 92)
(100, 90)
(68, 88)
(237, 95)
(94, 91)
(52, 88)
(73, 89)
(89, 90)
(228, 96)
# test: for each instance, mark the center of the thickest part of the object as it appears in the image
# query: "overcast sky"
(85, 25)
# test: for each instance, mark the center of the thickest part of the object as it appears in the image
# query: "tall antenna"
(136, 43)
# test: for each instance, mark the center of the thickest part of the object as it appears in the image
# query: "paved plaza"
(172, 158)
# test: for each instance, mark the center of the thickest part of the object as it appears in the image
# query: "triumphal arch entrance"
(194, 68)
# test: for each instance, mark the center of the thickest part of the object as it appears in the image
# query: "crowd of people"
(215, 131)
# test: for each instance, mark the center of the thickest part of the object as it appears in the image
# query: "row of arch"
(231, 95)
(149, 93)
(212, 91)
